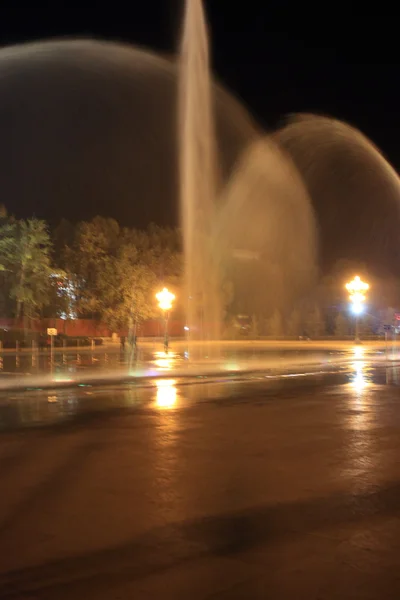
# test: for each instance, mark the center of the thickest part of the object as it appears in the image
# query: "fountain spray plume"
(198, 177)
(354, 190)
(267, 232)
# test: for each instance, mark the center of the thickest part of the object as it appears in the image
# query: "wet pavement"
(284, 486)
(150, 355)
(105, 366)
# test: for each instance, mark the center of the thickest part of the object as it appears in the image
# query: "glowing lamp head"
(357, 290)
(165, 299)
(357, 308)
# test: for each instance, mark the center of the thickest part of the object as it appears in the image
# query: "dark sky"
(278, 59)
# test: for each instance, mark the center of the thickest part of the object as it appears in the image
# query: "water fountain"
(267, 232)
(252, 204)
(198, 179)
(245, 233)
(260, 229)
(106, 113)
(354, 190)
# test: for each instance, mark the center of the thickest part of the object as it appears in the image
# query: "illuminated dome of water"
(267, 231)
(91, 126)
(354, 191)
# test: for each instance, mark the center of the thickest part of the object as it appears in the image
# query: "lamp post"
(357, 290)
(165, 299)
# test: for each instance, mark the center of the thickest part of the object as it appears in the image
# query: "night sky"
(276, 60)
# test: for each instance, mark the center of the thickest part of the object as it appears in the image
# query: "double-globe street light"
(357, 290)
(165, 299)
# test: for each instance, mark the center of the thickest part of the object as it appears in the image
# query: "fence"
(89, 327)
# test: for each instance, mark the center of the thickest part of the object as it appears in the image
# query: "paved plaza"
(286, 487)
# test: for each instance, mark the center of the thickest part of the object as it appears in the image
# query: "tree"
(25, 249)
(134, 301)
(62, 238)
(86, 261)
(160, 248)
(62, 297)
(126, 291)
(8, 242)
(114, 271)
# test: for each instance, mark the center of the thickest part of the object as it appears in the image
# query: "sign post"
(51, 332)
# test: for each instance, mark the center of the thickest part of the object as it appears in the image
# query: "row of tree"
(94, 269)
(100, 270)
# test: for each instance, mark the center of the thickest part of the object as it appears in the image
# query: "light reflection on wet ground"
(239, 360)
(38, 407)
(70, 362)
(287, 484)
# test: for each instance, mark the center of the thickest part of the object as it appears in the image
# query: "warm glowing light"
(163, 363)
(165, 299)
(166, 393)
(359, 382)
(358, 351)
(232, 367)
(164, 360)
(357, 308)
(357, 290)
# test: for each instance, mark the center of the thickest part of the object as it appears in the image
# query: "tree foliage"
(127, 290)
(100, 269)
(25, 261)
(115, 271)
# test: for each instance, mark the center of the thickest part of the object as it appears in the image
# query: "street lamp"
(165, 299)
(357, 290)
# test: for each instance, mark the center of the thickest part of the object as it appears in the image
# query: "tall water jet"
(198, 178)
